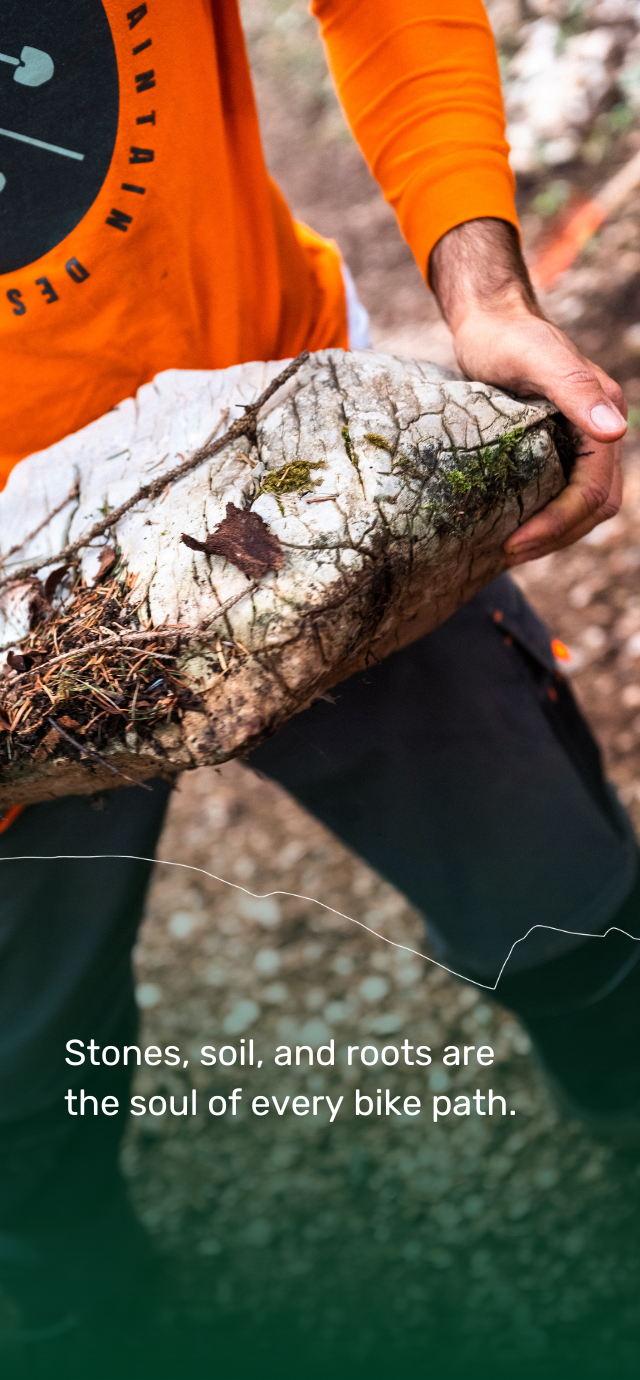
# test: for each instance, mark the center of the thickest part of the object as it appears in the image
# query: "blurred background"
(516, 1241)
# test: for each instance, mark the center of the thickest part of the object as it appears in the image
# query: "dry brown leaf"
(244, 539)
(107, 559)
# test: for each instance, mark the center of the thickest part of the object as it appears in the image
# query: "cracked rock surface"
(407, 480)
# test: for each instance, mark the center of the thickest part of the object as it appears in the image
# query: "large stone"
(422, 477)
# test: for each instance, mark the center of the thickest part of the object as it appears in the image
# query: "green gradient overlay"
(497, 1246)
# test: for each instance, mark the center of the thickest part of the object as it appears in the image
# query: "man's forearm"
(480, 265)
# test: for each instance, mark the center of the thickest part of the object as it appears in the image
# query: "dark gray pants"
(450, 767)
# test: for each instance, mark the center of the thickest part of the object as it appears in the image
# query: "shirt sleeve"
(420, 86)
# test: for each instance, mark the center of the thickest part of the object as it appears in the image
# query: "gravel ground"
(520, 1231)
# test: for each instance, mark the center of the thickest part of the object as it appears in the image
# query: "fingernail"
(522, 549)
(606, 417)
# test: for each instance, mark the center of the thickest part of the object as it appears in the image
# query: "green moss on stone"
(491, 470)
(290, 479)
(379, 442)
(350, 448)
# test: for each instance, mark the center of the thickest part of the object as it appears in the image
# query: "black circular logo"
(58, 120)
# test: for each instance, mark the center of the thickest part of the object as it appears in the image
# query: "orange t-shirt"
(139, 229)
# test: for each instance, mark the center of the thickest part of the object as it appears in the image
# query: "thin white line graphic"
(40, 144)
(488, 987)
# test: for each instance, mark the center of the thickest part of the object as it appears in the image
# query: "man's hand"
(480, 280)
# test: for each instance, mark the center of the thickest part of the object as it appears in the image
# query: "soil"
(522, 1230)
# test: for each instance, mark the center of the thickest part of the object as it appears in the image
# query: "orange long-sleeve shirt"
(139, 229)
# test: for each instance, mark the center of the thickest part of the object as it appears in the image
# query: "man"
(140, 231)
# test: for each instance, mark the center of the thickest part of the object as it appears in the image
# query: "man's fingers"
(560, 523)
(582, 505)
(593, 495)
(545, 548)
(542, 543)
